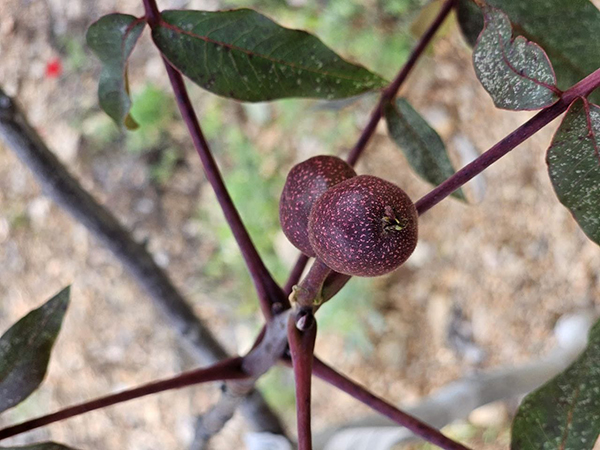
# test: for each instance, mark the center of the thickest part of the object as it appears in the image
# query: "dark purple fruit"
(305, 183)
(364, 226)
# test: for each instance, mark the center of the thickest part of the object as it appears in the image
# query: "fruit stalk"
(308, 294)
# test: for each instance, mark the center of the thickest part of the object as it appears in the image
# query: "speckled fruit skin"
(305, 183)
(364, 226)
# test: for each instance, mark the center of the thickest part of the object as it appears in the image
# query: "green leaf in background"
(470, 20)
(562, 27)
(565, 412)
(423, 147)
(40, 446)
(244, 55)
(515, 72)
(112, 39)
(25, 350)
(574, 165)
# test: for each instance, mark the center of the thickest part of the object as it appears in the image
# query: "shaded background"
(484, 288)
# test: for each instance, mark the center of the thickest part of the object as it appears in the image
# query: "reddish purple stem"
(524, 132)
(229, 369)
(269, 292)
(267, 289)
(328, 374)
(390, 92)
(152, 12)
(333, 284)
(302, 344)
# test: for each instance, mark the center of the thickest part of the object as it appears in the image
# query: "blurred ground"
(484, 288)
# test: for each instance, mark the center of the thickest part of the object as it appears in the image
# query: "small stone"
(64, 142)
(144, 206)
(38, 210)
(490, 415)
(162, 259)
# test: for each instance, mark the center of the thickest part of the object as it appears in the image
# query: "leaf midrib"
(269, 59)
(570, 412)
(550, 50)
(511, 42)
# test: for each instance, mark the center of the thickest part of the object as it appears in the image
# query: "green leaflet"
(515, 72)
(112, 39)
(574, 166)
(562, 27)
(25, 350)
(565, 412)
(422, 146)
(244, 55)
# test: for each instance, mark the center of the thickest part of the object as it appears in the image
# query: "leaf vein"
(249, 52)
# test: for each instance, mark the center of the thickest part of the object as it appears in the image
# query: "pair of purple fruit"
(357, 225)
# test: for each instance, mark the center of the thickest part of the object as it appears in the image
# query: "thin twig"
(390, 92)
(333, 284)
(213, 420)
(337, 281)
(352, 388)
(270, 295)
(245, 370)
(67, 192)
(267, 289)
(267, 351)
(456, 400)
(264, 355)
(225, 370)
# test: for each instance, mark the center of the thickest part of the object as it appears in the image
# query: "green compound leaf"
(40, 446)
(565, 412)
(515, 72)
(562, 27)
(423, 147)
(574, 165)
(244, 55)
(25, 350)
(112, 39)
